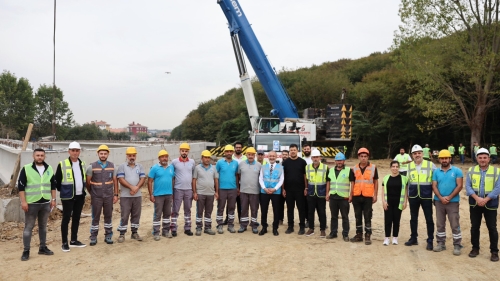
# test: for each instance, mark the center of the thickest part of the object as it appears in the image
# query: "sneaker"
(108, 240)
(167, 235)
(198, 232)
(474, 253)
(386, 241)
(310, 232)
(302, 231)
(231, 229)
(219, 229)
(174, 233)
(65, 247)
(289, 230)
(346, 238)
(93, 241)
(77, 244)
(255, 230)
(45, 251)
(136, 236)
(411, 242)
(457, 250)
(157, 237)
(394, 240)
(209, 232)
(439, 247)
(121, 238)
(322, 234)
(242, 229)
(188, 232)
(25, 256)
(331, 235)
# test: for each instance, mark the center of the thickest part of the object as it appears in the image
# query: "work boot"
(167, 235)
(231, 229)
(411, 242)
(255, 230)
(242, 229)
(332, 235)
(457, 250)
(45, 251)
(174, 233)
(157, 237)
(474, 253)
(302, 231)
(310, 232)
(346, 238)
(26, 256)
(368, 240)
(108, 240)
(198, 232)
(289, 230)
(219, 229)
(209, 232)
(136, 236)
(494, 256)
(93, 241)
(188, 232)
(439, 247)
(357, 238)
(121, 238)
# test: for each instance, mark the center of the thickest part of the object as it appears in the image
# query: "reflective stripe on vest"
(363, 184)
(316, 179)
(37, 187)
(67, 180)
(271, 180)
(424, 178)
(490, 178)
(404, 181)
(340, 185)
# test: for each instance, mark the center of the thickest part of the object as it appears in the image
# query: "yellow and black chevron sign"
(219, 150)
(328, 151)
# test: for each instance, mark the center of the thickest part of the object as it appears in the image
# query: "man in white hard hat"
(70, 176)
(316, 180)
(420, 195)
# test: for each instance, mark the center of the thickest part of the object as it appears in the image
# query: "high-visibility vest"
(102, 184)
(426, 152)
(316, 180)
(67, 184)
(451, 149)
(340, 185)
(402, 158)
(493, 150)
(404, 181)
(363, 184)
(476, 147)
(490, 179)
(461, 150)
(271, 180)
(37, 187)
(420, 184)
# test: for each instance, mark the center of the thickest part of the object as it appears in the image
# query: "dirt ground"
(237, 256)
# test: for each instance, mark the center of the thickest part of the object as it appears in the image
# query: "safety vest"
(340, 185)
(426, 152)
(67, 184)
(476, 147)
(461, 150)
(451, 149)
(490, 179)
(493, 150)
(271, 180)
(404, 181)
(316, 180)
(402, 158)
(363, 184)
(37, 187)
(420, 184)
(101, 184)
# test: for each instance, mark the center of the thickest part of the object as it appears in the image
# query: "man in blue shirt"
(446, 184)
(483, 187)
(229, 188)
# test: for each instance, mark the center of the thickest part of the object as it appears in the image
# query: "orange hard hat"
(363, 150)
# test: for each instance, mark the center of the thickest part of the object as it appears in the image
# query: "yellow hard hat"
(162, 152)
(103, 147)
(184, 145)
(228, 148)
(206, 153)
(131, 150)
(250, 150)
(445, 153)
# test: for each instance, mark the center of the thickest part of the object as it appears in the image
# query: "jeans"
(462, 158)
(42, 212)
(426, 204)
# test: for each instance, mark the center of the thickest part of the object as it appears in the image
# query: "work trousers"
(204, 208)
(104, 205)
(264, 208)
(182, 196)
(72, 209)
(163, 210)
(296, 197)
(226, 197)
(343, 206)
(238, 208)
(252, 201)
(130, 208)
(490, 216)
(450, 210)
(42, 212)
(363, 208)
(426, 204)
(392, 218)
(318, 204)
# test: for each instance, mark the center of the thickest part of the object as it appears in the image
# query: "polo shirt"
(132, 175)
(242, 158)
(205, 184)
(227, 173)
(183, 173)
(249, 176)
(162, 179)
(447, 182)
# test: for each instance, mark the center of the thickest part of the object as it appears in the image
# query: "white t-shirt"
(308, 160)
(404, 167)
(40, 169)
(77, 173)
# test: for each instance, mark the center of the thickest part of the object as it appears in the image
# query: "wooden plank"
(17, 166)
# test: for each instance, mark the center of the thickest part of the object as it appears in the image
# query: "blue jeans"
(42, 212)
(462, 158)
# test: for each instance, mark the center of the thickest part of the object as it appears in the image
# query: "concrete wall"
(8, 157)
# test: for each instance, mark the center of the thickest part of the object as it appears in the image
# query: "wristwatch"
(53, 199)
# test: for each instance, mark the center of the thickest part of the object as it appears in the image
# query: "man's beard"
(307, 153)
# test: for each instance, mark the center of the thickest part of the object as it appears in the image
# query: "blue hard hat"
(340, 156)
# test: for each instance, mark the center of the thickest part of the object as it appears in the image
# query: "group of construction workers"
(244, 182)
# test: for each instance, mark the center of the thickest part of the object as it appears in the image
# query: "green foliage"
(44, 101)
(86, 132)
(16, 105)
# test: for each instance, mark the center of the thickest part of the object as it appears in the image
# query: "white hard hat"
(74, 145)
(482, 151)
(416, 148)
(315, 153)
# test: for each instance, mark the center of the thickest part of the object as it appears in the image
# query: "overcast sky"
(111, 56)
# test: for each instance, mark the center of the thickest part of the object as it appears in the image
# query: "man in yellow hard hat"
(248, 172)
(131, 177)
(239, 157)
(447, 182)
(102, 186)
(183, 189)
(228, 188)
(160, 187)
(205, 189)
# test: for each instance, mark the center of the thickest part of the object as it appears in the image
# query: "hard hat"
(260, 151)
(206, 153)
(416, 148)
(184, 145)
(250, 150)
(103, 147)
(445, 153)
(363, 150)
(162, 152)
(131, 150)
(74, 145)
(340, 156)
(315, 153)
(228, 148)
(482, 151)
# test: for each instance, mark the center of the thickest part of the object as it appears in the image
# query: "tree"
(451, 50)
(43, 110)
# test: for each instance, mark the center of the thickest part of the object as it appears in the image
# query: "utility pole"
(54, 79)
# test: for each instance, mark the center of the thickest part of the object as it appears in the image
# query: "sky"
(111, 56)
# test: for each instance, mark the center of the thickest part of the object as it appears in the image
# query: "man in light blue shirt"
(228, 188)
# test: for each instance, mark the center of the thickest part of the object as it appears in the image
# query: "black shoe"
(429, 246)
(65, 247)
(45, 251)
(411, 242)
(331, 235)
(76, 244)
(263, 231)
(188, 232)
(302, 231)
(275, 232)
(174, 233)
(289, 230)
(25, 256)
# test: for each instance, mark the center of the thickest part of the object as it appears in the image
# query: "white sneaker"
(386, 241)
(394, 240)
